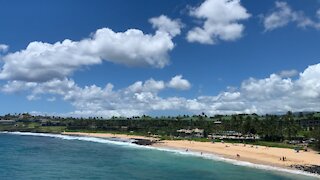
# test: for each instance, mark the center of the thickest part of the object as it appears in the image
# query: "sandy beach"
(255, 154)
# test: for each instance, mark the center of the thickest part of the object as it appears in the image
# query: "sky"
(126, 58)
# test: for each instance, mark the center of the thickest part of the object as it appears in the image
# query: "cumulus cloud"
(165, 24)
(221, 21)
(288, 73)
(274, 94)
(178, 82)
(136, 99)
(283, 14)
(309, 83)
(41, 61)
(149, 86)
(17, 86)
(4, 48)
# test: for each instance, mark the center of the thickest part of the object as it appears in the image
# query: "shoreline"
(109, 135)
(242, 159)
(260, 155)
(251, 153)
(200, 149)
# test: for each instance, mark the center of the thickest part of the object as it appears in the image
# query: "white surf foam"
(80, 138)
(176, 151)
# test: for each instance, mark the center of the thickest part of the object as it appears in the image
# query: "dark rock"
(144, 142)
(308, 168)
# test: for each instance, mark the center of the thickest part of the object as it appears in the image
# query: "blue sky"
(231, 71)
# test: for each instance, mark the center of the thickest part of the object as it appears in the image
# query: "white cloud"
(309, 83)
(178, 82)
(136, 99)
(165, 24)
(274, 94)
(288, 73)
(17, 86)
(282, 15)
(150, 86)
(51, 99)
(318, 13)
(41, 61)
(264, 89)
(4, 48)
(221, 21)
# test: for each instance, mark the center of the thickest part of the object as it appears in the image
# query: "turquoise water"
(63, 157)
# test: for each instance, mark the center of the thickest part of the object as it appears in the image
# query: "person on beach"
(238, 155)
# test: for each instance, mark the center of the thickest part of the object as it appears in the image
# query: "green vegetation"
(274, 144)
(316, 135)
(274, 130)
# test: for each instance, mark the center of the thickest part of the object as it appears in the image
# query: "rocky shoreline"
(143, 142)
(307, 168)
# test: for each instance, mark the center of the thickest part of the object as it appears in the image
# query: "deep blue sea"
(31, 156)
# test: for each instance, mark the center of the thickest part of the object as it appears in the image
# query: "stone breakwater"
(308, 168)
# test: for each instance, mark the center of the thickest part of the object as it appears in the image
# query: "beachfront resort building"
(233, 135)
(189, 133)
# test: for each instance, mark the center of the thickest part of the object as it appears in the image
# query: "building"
(199, 133)
(217, 122)
(233, 135)
(309, 123)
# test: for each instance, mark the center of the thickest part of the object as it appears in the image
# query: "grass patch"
(50, 129)
(274, 144)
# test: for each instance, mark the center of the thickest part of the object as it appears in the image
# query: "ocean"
(47, 156)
